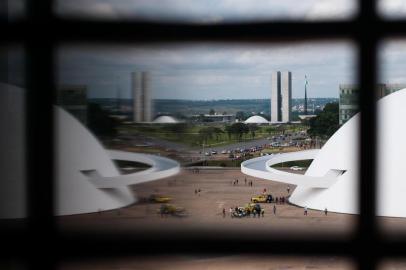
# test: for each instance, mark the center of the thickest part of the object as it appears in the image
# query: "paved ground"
(204, 211)
(215, 262)
(396, 264)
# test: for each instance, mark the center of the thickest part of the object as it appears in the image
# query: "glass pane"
(12, 10)
(199, 110)
(392, 9)
(212, 11)
(12, 138)
(391, 147)
(218, 261)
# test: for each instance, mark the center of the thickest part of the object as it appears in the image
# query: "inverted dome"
(256, 119)
(165, 119)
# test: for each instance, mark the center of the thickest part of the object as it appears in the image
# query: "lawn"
(191, 134)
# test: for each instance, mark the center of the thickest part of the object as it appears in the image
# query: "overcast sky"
(212, 11)
(220, 71)
(210, 70)
(208, 11)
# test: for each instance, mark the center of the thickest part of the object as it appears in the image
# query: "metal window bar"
(41, 245)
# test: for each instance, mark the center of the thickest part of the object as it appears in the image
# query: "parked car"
(263, 198)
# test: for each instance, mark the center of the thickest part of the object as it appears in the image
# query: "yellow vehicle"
(263, 198)
(252, 206)
(169, 209)
(156, 198)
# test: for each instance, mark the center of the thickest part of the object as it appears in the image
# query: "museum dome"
(256, 119)
(165, 119)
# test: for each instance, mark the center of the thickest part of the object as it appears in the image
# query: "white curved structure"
(391, 173)
(331, 180)
(256, 119)
(87, 179)
(165, 119)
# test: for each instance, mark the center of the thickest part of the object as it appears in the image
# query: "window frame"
(41, 32)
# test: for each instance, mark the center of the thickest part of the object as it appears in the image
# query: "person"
(231, 212)
(248, 212)
(274, 209)
(277, 200)
(224, 212)
(245, 180)
(325, 211)
(305, 211)
(264, 190)
(195, 191)
(288, 189)
(254, 213)
(263, 212)
(237, 182)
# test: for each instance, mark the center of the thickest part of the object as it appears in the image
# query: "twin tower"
(281, 98)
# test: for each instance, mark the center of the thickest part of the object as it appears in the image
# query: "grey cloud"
(209, 70)
(208, 11)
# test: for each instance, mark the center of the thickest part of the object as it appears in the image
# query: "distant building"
(73, 98)
(281, 97)
(142, 105)
(349, 98)
(216, 118)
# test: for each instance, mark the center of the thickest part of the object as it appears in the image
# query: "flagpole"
(305, 103)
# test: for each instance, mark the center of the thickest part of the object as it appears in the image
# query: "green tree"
(239, 129)
(229, 131)
(326, 123)
(270, 130)
(212, 112)
(178, 129)
(206, 134)
(217, 132)
(240, 115)
(252, 130)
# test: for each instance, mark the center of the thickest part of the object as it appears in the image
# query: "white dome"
(79, 153)
(391, 154)
(338, 155)
(332, 179)
(86, 178)
(164, 119)
(256, 119)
